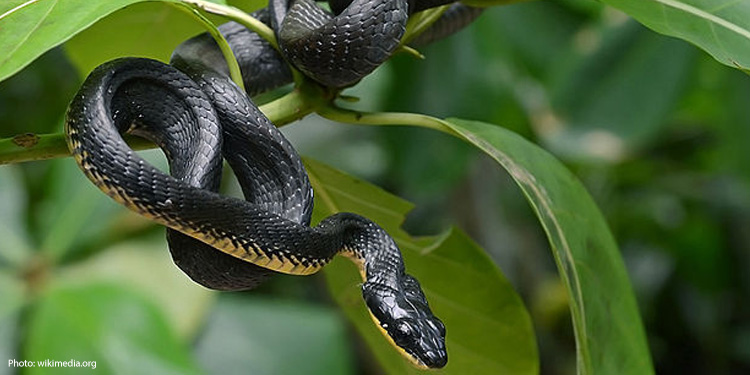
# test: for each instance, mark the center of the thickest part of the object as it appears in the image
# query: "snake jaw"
(428, 350)
(406, 318)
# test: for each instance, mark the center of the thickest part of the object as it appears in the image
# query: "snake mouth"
(423, 354)
(427, 350)
(423, 340)
(433, 359)
(402, 312)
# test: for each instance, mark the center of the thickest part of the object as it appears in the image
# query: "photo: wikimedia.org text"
(14, 363)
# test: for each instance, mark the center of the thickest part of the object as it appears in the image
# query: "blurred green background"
(656, 129)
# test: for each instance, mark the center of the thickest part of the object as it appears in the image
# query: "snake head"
(403, 313)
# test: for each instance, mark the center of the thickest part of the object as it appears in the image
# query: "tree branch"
(30, 147)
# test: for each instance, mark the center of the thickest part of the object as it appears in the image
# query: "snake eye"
(404, 333)
(404, 329)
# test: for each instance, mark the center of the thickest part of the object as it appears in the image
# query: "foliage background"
(655, 128)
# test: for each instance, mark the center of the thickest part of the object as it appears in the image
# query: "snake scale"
(198, 117)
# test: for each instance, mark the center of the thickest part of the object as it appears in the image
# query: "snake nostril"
(436, 359)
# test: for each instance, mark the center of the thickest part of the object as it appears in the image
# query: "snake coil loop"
(197, 116)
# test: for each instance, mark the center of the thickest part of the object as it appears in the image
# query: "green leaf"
(154, 31)
(720, 27)
(609, 334)
(618, 96)
(248, 5)
(29, 28)
(261, 336)
(489, 3)
(489, 329)
(113, 326)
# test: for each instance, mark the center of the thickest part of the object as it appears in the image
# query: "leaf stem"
(244, 19)
(293, 106)
(31, 147)
(288, 108)
(421, 21)
(238, 16)
(349, 116)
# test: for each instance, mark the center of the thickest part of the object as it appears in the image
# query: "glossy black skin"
(404, 314)
(339, 50)
(455, 18)
(195, 114)
(336, 50)
(196, 117)
(262, 67)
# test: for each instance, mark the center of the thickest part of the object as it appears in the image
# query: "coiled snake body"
(196, 115)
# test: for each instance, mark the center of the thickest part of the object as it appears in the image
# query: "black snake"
(196, 115)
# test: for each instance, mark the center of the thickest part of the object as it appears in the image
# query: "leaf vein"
(17, 8)
(707, 16)
(31, 31)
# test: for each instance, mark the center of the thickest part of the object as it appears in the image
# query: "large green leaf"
(154, 30)
(264, 337)
(113, 326)
(489, 329)
(721, 27)
(29, 28)
(248, 5)
(609, 333)
(489, 3)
